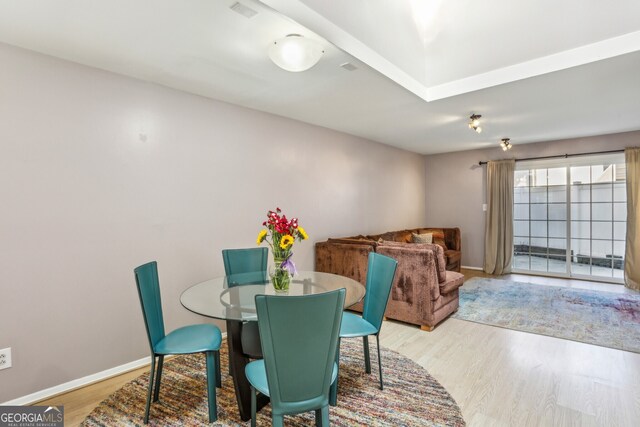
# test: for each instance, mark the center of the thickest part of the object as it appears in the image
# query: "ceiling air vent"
(243, 10)
(348, 66)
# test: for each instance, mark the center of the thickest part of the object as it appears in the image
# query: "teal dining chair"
(299, 336)
(381, 271)
(239, 264)
(204, 338)
(238, 261)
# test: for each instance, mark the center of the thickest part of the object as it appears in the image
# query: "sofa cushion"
(453, 281)
(375, 237)
(403, 236)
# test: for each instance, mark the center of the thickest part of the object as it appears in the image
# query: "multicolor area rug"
(594, 317)
(411, 396)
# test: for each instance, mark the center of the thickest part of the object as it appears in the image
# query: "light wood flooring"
(499, 377)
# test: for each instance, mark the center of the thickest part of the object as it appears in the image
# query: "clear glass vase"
(280, 277)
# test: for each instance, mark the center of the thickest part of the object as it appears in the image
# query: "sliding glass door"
(570, 220)
(540, 220)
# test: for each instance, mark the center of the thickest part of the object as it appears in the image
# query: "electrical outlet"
(5, 358)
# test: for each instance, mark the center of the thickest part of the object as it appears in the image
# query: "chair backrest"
(244, 260)
(380, 273)
(299, 337)
(149, 292)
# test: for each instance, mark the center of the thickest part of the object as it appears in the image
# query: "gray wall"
(456, 184)
(100, 173)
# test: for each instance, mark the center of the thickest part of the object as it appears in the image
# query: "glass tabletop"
(232, 297)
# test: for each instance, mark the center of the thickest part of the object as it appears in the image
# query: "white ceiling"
(537, 70)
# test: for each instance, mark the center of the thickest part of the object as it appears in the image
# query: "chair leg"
(322, 417)
(379, 360)
(218, 373)
(367, 359)
(254, 397)
(230, 359)
(277, 420)
(333, 391)
(211, 385)
(156, 392)
(151, 374)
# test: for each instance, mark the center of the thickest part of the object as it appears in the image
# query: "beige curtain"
(632, 251)
(498, 240)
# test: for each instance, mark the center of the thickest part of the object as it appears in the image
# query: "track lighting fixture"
(505, 144)
(474, 122)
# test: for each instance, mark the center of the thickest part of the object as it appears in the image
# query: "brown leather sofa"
(425, 290)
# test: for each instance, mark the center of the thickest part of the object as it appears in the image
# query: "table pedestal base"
(237, 362)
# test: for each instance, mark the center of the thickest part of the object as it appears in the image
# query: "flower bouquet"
(280, 234)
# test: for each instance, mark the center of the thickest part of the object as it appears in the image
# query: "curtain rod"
(557, 156)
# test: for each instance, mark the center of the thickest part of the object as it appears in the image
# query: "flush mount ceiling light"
(505, 144)
(474, 122)
(295, 53)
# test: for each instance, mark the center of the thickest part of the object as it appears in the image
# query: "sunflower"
(286, 241)
(261, 236)
(303, 233)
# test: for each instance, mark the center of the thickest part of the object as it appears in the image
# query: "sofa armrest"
(416, 280)
(438, 254)
(345, 259)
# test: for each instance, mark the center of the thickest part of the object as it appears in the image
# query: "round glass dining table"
(232, 298)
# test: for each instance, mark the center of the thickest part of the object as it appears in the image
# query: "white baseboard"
(80, 382)
(471, 268)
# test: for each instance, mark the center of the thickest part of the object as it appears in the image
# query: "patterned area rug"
(602, 318)
(411, 396)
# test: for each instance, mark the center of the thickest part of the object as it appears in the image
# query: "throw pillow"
(438, 236)
(422, 238)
